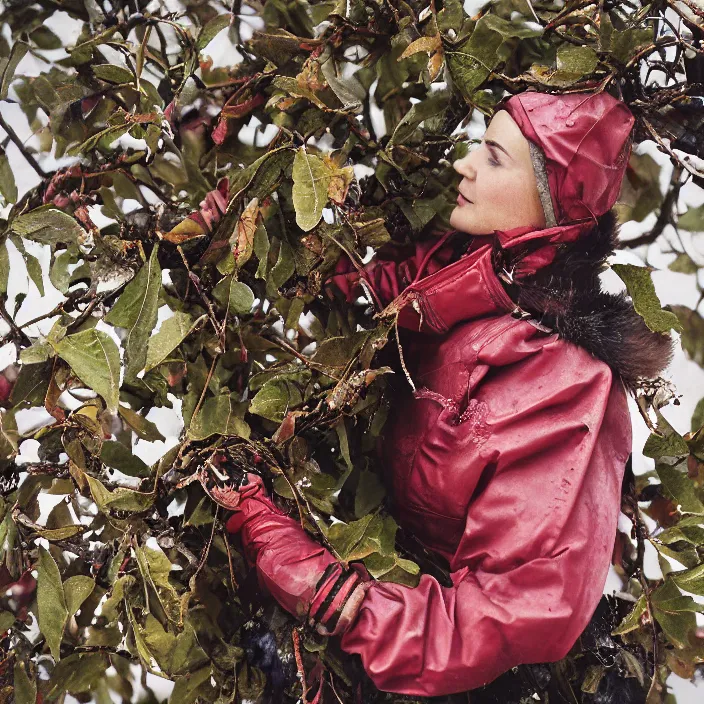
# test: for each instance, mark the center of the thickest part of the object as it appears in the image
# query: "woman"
(506, 456)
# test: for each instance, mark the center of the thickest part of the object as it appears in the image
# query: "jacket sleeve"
(534, 555)
(388, 273)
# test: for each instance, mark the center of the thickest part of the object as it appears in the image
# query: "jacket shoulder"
(532, 376)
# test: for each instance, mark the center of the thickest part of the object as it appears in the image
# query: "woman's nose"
(464, 166)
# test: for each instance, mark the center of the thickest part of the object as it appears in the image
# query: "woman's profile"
(510, 430)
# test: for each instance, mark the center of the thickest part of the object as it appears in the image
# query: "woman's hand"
(302, 575)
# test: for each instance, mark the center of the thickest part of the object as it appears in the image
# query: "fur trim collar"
(566, 296)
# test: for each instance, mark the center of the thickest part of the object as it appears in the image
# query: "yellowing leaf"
(187, 229)
(340, 180)
(246, 227)
(427, 44)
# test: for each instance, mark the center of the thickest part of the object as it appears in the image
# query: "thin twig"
(664, 216)
(669, 150)
(229, 559)
(23, 150)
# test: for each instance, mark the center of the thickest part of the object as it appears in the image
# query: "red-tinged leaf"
(201, 222)
(243, 108)
(219, 134)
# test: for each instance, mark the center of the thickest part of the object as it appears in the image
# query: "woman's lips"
(461, 200)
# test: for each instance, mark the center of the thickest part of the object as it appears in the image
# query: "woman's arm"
(533, 559)
(531, 564)
(388, 273)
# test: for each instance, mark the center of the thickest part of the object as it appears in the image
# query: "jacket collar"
(469, 288)
(552, 279)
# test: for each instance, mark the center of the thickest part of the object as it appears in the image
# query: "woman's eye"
(493, 162)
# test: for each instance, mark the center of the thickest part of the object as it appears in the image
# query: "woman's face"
(498, 190)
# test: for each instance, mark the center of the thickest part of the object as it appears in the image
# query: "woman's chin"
(460, 220)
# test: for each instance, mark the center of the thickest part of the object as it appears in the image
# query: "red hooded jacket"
(507, 460)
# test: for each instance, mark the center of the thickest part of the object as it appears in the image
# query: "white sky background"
(672, 288)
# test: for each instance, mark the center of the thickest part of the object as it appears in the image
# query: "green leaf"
(275, 399)
(669, 444)
(692, 220)
(114, 454)
(110, 606)
(144, 428)
(9, 436)
(79, 672)
(676, 623)
(76, 590)
(432, 105)
(690, 580)
(8, 187)
(680, 487)
(471, 65)
(282, 270)
(8, 66)
(112, 73)
(4, 266)
(137, 311)
(640, 191)
(187, 688)
(370, 492)
(645, 300)
(698, 416)
(48, 225)
(627, 43)
(7, 620)
(172, 333)
(684, 264)
(346, 537)
(239, 295)
(632, 621)
(95, 359)
(120, 499)
(34, 269)
(337, 352)
(44, 38)
(212, 29)
(221, 415)
(25, 688)
(155, 568)
(62, 533)
(692, 333)
(311, 179)
(158, 641)
(52, 610)
(573, 63)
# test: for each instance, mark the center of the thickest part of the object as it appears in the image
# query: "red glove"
(299, 573)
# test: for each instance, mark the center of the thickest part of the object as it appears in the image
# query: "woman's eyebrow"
(492, 143)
